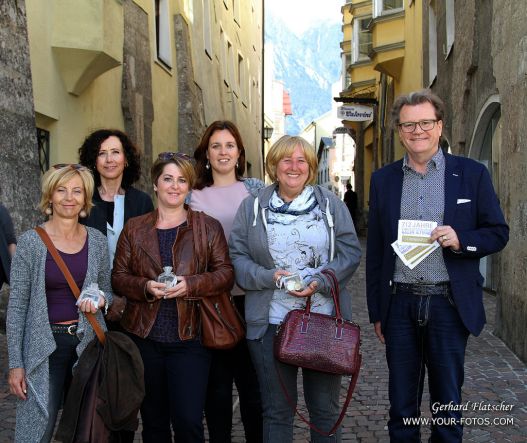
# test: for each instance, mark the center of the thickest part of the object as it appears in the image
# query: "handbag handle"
(334, 291)
(69, 278)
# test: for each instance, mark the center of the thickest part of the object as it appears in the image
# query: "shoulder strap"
(200, 241)
(294, 406)
(69, 278)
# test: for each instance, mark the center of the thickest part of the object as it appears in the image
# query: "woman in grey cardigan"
(46, 331)
(292, 226)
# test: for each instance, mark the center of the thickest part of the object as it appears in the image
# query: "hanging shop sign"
(355, 113)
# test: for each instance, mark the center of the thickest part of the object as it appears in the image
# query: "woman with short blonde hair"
(46, 330)
(292, 227)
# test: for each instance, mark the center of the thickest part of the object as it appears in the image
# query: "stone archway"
(485, 147)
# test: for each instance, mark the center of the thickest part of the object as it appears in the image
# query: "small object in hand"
(292, 282)
(91, 293)
(168, 277)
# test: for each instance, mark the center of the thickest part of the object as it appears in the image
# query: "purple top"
(165, 328)
(61, 301)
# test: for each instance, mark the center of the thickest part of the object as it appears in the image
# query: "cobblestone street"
(493, 375)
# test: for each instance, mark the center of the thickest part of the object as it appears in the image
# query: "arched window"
(485, 148)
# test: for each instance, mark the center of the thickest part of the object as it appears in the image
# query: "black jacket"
(7, 237)
(136, 203)
(116, 374)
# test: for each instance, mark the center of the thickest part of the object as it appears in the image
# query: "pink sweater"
(220, 202)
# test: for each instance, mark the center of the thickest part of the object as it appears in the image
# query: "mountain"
(308, 65)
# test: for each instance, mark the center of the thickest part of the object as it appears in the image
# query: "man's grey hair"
(416, 98)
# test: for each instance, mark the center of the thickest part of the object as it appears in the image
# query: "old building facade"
(475, 56)
(382, 58)
(160, 69)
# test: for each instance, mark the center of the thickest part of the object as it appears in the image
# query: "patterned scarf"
(286, 212)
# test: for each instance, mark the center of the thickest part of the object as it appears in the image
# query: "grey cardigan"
(254, 266)
(29, 338)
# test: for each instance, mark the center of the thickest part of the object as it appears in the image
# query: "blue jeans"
(61, 363)
(321, 392)
(425, 331)
(175, 387)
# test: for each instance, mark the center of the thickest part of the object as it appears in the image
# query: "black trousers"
(175, 383)
(228, 366)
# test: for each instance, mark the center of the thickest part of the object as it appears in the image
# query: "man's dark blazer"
(471, 209)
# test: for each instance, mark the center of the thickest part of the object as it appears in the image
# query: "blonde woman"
(292, 226)
(46, 330)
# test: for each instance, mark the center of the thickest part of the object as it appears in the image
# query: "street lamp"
(267, 132)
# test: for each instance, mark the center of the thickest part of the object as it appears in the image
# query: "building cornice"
(387, 17)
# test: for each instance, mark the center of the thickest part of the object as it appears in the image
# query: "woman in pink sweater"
(219, 190)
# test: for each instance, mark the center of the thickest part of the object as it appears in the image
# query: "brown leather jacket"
(137, 260)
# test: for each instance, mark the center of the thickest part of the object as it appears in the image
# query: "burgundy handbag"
(322, 343)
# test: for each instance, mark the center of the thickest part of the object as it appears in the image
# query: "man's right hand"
(378, 332)
(17, 382)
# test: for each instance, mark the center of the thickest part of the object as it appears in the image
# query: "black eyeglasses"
(425, 125)
(169, 155)
(74, 166)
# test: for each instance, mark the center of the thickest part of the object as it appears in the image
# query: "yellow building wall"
(76, 50)
(238, 98)
(368, 162)
(68, 117)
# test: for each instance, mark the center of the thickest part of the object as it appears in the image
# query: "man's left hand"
(446, 237)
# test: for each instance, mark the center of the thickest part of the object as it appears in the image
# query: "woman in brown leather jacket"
(160, 319)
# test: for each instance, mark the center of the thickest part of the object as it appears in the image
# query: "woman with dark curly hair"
(115, 163)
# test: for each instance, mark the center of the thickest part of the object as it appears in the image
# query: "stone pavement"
(493, 375)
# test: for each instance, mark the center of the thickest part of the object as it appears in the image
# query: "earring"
(49, 209)
(237, 164)
(82, 214)
(207, 165)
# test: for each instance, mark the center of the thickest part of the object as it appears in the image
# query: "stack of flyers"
(413, 242)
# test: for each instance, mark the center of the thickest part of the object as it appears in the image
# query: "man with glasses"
(425, 313)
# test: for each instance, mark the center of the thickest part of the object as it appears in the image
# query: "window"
(230, 68)
(450, 23)
(223, 57)
(346, 62)
(362, 41)
(43, 149)
(188, 7)
(163, 32)
(242, 78)
(432, 45)
(207, 28)
(381, 7)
